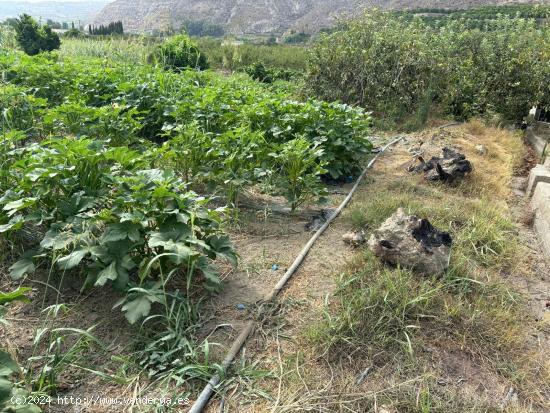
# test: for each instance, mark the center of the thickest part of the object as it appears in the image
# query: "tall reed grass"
(132, 50)
(7, 37)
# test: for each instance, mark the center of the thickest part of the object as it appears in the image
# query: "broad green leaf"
(182, 252)
(121, 231)
(21, 267)
(127, 263)
(5, 390)
(122, 279)
(100, 252)
(7, 365)
(108, 273)
(134, 216)
(16, 295)
(57, 240)
(36, 174)
(223, 247)
(19, 204)
(159, 239)
(16, 222)
(73, 259)
(174, 231)
(137, 308)
(153, 175)
(210, 274)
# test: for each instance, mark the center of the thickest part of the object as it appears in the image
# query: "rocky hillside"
(258, 16)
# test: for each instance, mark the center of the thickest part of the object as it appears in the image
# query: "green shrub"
(300, 37)
(380, 63)
(179, 53)
(229, 54)
(42, 74)
(202, 111)
(259, 72)
(499, 70)
(33, 38)
(106, 212)
(116, 124)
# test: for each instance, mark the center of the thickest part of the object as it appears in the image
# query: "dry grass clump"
(475, 127)
(493, 170)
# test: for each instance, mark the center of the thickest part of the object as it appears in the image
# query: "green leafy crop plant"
(104, 214)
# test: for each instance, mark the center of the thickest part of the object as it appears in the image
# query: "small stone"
(412, 242)
(241, 306)
(354, 238)
(481, 149)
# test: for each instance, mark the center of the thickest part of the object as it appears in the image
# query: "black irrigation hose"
(205, 395)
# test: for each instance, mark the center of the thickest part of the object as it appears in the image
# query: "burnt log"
(450, 167)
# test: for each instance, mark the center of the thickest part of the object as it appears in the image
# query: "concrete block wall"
(538, 134)
(537, 140)
(539, 190)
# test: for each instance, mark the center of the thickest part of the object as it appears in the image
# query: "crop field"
(153, 191)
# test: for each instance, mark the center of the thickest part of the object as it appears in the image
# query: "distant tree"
(33, 38)
(111, 28)
(294, 37)
(203, 28)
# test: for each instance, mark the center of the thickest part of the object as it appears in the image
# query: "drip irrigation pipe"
(205, 395)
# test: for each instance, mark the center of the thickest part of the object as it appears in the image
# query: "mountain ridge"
(260, 16)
